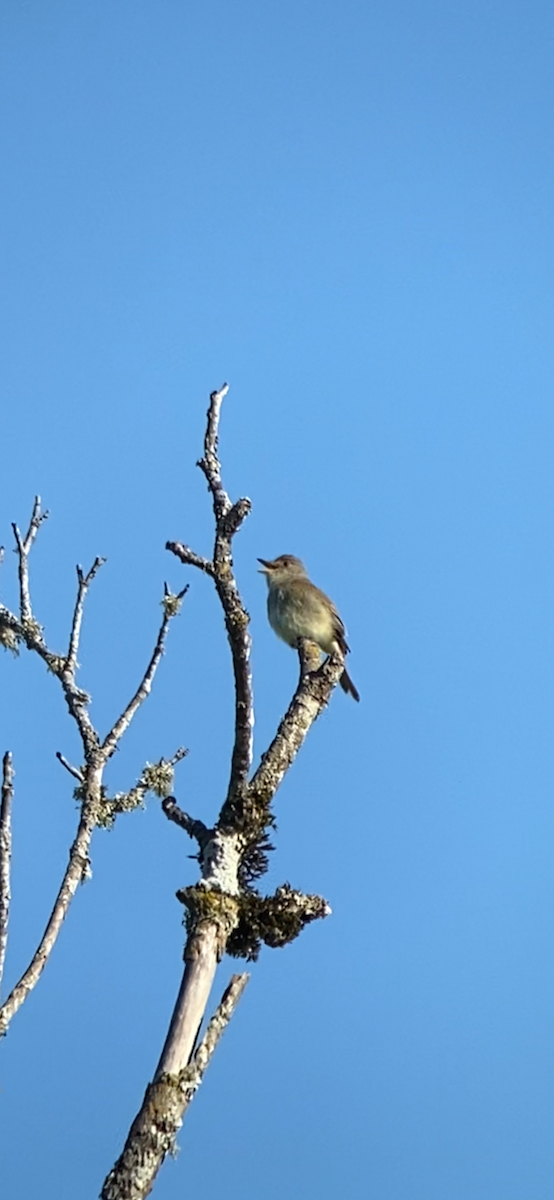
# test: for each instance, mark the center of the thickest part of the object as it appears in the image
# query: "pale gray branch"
(210, 464)
(189, 558)
(75, 872)
(24, 545)
(74, 771)
(29, 633)
(94, 809)
(154, 1130)
(221, 907)
(5, 854)
(144, 688)
(310, 698)
(214, 1030)
(202, 956)
(83, 584)
(228, 520)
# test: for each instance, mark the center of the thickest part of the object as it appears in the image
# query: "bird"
(297, 609)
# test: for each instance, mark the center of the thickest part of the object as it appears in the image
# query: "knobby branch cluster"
(96, 807)
(224, 911)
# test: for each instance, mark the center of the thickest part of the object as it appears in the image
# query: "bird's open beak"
(267, 564)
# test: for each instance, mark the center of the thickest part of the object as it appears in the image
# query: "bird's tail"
(347, 685)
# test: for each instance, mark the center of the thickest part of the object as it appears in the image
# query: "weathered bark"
(153, 1132)
(201, 957)
(5, 853)
(223, 910)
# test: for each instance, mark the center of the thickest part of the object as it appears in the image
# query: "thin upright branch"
(210, 464)
(145, 685)
(83, 584)
(24, 545)
(5, 854)
(241, 643)
(228, 520)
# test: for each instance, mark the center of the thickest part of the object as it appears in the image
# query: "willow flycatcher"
(298, 609)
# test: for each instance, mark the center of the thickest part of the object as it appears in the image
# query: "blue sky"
(346, 211)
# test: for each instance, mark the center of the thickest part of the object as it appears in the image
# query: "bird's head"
(281, 569)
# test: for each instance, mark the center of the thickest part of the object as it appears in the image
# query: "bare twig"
(153, 1132)
(84, 582)
(74, 771)
(145, 686)
(195, 829)
(23, 549)
(5, 854)
(189, 558)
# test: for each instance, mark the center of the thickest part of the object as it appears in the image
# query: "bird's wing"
(340, 630)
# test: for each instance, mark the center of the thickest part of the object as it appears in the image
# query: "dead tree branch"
(189, 558)
(5, 854)
(154, 1130)
(228, 520)
(84, 582)
(223, 910)
(96, 810)
(195, 829)
(171, 606)
(24, 545)
(74, 874)
(310, 698)
(74, 771)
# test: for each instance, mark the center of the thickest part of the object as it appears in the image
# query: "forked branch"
(228, 520)
(155, 1128)
(95, 809)
(83, 582)
(223, 910)
(24, 545)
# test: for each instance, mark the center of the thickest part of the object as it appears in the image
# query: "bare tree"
(225, 910)
(97, 808)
